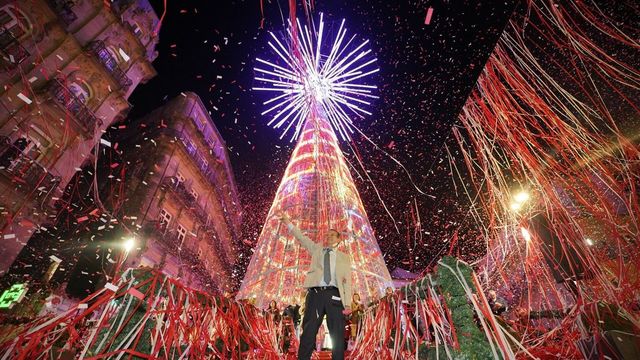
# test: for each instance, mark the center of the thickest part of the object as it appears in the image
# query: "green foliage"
(472, 341)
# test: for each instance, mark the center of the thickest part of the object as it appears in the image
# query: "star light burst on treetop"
(308, 77)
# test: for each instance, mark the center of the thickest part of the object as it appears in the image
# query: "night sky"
(426, 73)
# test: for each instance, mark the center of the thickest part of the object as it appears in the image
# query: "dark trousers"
(317, 304)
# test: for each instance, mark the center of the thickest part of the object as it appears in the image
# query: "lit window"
(182, 233)
(180, 178)
(204, 164)
(113, 53)
(191, 147)
(165, 218)
(80, 91)
(137, 30)
(211, 142)
(200, 123)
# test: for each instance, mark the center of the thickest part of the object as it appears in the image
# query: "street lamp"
(519, 199)
(129, 244)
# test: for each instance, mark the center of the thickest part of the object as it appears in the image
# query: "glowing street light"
(129, 244)
(521, 197)
(519, 200)
(516, 206)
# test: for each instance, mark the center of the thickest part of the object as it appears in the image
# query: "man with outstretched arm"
(328, 284)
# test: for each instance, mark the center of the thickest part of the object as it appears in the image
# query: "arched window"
(15, 21)
(114, 54)
(81, 90)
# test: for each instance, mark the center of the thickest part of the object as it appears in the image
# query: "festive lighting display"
(318, 193)
(554, 136)
(316, 73)
(317, 190)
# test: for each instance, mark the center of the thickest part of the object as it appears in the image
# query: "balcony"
(205, 169)
(189, 201)
(11, 50)
(99, 50)
(25, 173)
(63, 9)
(65, 98)
(169, 240)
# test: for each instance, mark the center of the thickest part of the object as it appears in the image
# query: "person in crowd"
(357, 310)
(498, 305)
(273, 312)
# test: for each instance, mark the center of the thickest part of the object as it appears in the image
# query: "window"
(113, 53)
(200, 123)
(14, 21)
(191, 147)
(14, 26)
(211, 142)
(165, 218)
(107, 57)
(80, 90)
(182, 233)
(194, 193)
(203, 163)
(137, 30)
(180, 178)
(22, 151)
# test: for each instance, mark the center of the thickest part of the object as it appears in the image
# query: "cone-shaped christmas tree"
(317, 84)
(318, 194)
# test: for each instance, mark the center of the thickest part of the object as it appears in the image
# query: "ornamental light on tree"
(308, 78)
(315, 94)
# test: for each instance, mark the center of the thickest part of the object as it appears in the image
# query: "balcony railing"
(167, 238)
(11, 49)
(27, 175)
(206, 170)
(190, 203)
(170, 241)
(63, 9)
(67, 99)
(99, 50)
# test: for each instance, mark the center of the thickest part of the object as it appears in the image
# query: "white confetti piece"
(24, 98)
(55, 259)
(110, 286)
(124, 55)
(82, 306)
(9, 236)
(105, 142)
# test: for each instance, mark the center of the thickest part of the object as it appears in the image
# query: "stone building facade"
(181, 195)
(67, 69)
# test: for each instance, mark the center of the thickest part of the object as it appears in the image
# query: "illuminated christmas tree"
(316, 90)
